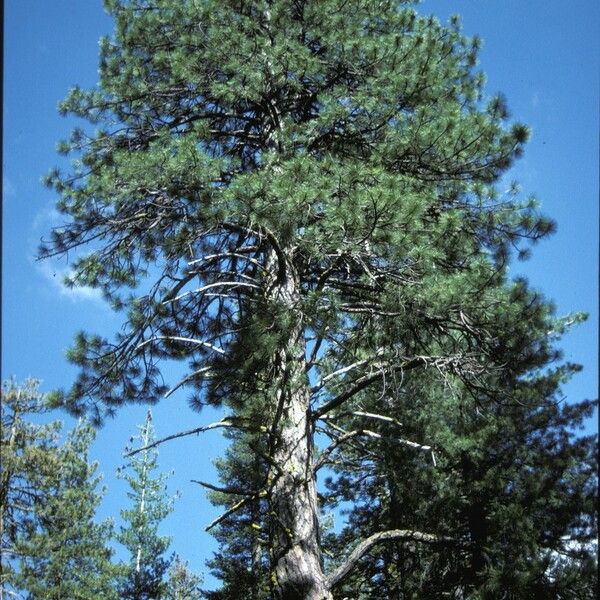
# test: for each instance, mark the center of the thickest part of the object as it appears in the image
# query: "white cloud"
(9, 189)
(55, 269)
(55, 275)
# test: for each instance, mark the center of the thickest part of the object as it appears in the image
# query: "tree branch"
(222, 490)
(209, 286)
(360, 413)
(235, 508)
(367, 432)
(223, 423)
(202, 371)
(176, 338)
(383, 536)
(341, 371)
(362, 382)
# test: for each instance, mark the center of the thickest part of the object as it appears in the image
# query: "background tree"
(303, 194)
(512, 481)
(28, 454)
(182, 584)
(242, 564)
(145, 576)
(52, 546)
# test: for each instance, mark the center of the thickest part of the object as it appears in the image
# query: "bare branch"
(204, 371)
(360, 413)
(362, 382)
(175, 338)
(227, 422)
(235, 508)
(222, 490)
(341, 371)
(238, 253)
(209, 286)
(367, 432)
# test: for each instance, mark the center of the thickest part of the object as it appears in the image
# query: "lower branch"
(383, 536)
(235, 508)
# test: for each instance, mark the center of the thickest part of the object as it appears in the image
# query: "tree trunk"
(297, 569)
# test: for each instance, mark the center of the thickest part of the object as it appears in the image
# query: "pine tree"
(182, 584)
(51, 545)
(145, 575)
(512, 482)
(303, 196)
(242, 564)
(28, 455)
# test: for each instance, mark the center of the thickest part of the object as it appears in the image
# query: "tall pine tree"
(145, 576)
(302, 196)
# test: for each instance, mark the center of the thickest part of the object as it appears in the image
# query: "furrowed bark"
(297, 571)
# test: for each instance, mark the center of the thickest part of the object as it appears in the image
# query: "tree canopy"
(300, 201)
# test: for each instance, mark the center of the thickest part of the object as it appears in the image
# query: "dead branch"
(363, 382)
(366, 432)
(176, 338)
(360, 413)
(205, 288)
(228, 422)
(222, 490)
(235, 508)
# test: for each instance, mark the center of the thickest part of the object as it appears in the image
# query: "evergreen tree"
(29, 454)
(182, 584)
(145, 575)
(512, 485)
(52, 547)
(303, 193)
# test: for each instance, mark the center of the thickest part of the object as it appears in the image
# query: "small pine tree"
(28, 455)
(144, 577)
(182, 583)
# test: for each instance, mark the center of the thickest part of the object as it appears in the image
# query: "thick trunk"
(297, 571)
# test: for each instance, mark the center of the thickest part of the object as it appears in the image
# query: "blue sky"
(542, 54)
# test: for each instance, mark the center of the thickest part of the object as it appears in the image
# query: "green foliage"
(145, 575)
(51, 545)
(28, 454)
(512, 486)
(380, 145)
(242, 563)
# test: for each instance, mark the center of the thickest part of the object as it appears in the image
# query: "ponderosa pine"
(298, 199)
